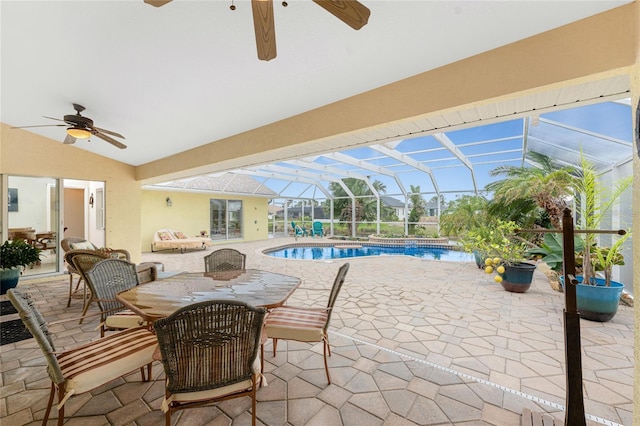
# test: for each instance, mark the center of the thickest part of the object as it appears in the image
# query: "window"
(226, 219)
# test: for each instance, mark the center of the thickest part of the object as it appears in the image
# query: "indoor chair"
(209, 351)
(90, 365)
(225, 259)
(305, 324)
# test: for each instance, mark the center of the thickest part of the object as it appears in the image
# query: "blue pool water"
(326, 253)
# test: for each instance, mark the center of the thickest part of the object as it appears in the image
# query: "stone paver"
(413, 342)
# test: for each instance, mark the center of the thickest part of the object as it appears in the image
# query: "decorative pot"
(597, 302)
(517, 278)
(9, 278)
(479, 259)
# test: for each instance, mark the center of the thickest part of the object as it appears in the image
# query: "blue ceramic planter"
(517, 278)
(9, 278)
(597, 302)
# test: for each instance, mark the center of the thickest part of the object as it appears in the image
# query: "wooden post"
(574, 414)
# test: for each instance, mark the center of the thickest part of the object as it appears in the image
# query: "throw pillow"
(179, 235)
(164, 236)
(82, 245)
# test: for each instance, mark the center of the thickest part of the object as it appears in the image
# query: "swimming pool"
(337, 252)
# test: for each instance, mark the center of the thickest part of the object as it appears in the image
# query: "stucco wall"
(189, 213)
(26, 154)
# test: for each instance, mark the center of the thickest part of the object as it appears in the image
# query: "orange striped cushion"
(98, 362)
(294, 323)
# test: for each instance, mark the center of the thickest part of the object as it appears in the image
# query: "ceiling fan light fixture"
(78, 132)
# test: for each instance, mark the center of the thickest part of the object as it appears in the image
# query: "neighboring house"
(432, 208)
(397, 206)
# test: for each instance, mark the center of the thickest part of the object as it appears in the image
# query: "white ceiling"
(186, 74)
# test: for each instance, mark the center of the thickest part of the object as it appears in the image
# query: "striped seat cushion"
(124, 319)
(95, 363)
(214, 393)
(295, 323)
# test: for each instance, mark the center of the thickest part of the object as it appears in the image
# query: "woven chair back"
(83, 260)
(36, 324)
(209, 344)
(225, 259)
(106, 279)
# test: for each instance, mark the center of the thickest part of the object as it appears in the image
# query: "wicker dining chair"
(305, 324)
(106, 279)
(78, 243)
(88, 366)
(209, 352)
(72, 269)
(225, 259)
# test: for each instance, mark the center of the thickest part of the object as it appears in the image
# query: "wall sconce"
(91, 200)
(169, 203)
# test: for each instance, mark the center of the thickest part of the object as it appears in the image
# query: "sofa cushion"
(164, 236)
(179, 235)
(82, 245)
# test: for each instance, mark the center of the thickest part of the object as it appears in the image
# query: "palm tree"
(365, 205)
(418, 209)
(548, 185)
(464, 213)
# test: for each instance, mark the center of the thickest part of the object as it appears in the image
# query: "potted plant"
(14, 256)
(505, 255)
(598, 297)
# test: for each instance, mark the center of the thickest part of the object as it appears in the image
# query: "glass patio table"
(158, 299)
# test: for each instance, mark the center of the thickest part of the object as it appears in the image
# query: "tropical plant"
(497, 240)
(419, 207)
(550, 250)
(463, 214)
(365, 204)
(594, 203)
(605, 258)
(14, 253)
(547, 184)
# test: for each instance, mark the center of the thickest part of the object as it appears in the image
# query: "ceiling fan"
(81, 127)
(351, 12)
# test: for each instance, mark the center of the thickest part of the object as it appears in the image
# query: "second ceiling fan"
(351, 12)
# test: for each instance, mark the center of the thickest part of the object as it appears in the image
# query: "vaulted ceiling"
(184, 75)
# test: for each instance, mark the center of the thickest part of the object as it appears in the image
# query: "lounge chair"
(317, 229)
(169, 239)
(298, 230)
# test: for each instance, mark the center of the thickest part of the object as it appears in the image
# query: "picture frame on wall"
(12, 202)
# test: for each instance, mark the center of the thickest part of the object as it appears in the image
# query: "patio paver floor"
(413, 342)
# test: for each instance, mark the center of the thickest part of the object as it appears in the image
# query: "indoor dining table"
(158, 299)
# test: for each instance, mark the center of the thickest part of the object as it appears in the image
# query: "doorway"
(74, 224)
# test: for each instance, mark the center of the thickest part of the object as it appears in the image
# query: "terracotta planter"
(517, 278)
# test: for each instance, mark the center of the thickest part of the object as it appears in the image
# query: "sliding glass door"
(226, 219)
(33, 215)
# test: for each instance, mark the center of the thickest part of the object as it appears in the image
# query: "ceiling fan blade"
(57, 119)
(69, 140)
(351, 12)
(40, 125)
(264, 25)
(157, 3)
(109, 132)
(109, 139)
